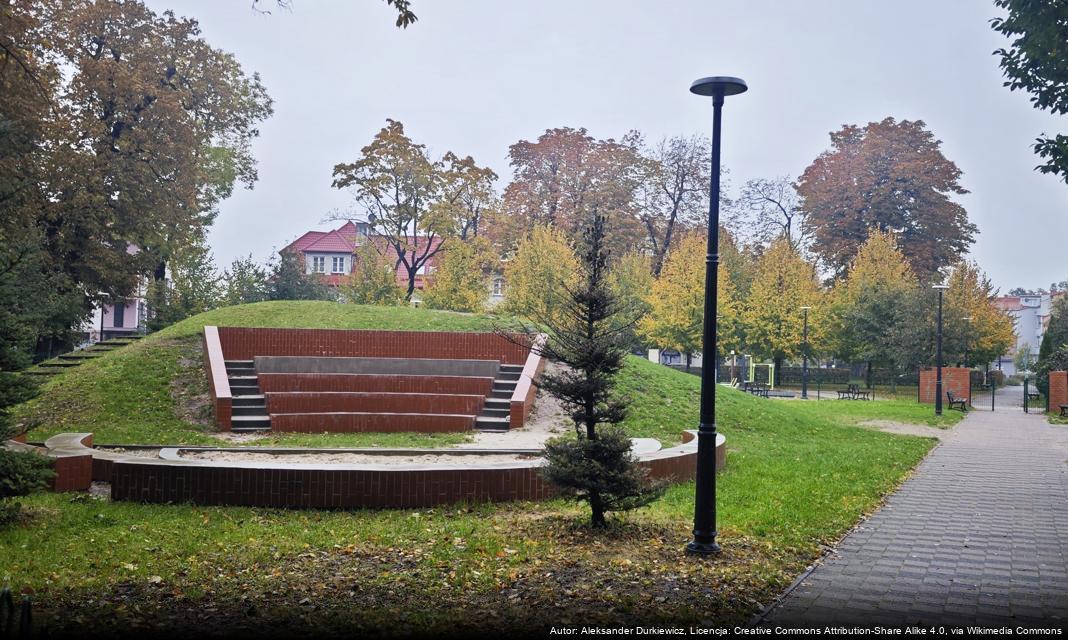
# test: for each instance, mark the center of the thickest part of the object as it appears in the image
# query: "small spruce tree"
(588, 338)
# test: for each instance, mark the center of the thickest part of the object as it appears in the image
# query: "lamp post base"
(703, 548)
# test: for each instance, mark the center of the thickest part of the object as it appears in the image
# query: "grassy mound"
(798, 477)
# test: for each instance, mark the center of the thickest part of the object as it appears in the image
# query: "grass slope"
(137, 394)
(795, 481)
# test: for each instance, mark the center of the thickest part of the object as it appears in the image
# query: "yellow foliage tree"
(676, 302)
(866, 305)
(782, 284)
(460, 281)
(630, 280)
(537, 276)
(373, 280)
(989, 332)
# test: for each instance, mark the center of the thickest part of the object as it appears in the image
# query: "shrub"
(603, 469)
(1057, 361)
(21, 473)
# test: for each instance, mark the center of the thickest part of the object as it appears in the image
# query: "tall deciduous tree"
(676, 302)
(631, 279)
(769, 209)
(538, 275)
(244, 282)
(784, 283)
(193, 287)
(674, 192)
(566, 175)
(413, 203)
(889, 176)
(989, 332)
(1036, 62)
(865, 305)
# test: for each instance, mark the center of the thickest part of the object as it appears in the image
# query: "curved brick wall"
(343, 485)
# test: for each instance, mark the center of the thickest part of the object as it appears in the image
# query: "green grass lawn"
(799, 476)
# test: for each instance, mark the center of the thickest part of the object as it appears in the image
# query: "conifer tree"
(587, 341)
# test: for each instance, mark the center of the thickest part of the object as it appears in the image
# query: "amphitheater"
(344, 381)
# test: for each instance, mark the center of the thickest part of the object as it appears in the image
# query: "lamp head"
(721, 85)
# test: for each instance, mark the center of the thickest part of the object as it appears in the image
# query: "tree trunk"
(868, 376)
(597, 510)
(689, 359)
(777, 376)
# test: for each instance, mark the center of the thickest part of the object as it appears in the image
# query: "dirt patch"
(904, 428)
(353, 458)
(138, 453)
(189, 388)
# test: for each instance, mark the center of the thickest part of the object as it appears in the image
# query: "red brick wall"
(1058, 390)
(373, 382)
(378, 422)
(954, 379)
(372, 402)
(243, 343)
(73, 473)
(522, 401)
(350, 488)
(215, 368)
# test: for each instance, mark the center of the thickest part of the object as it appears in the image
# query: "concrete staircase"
(73, 359)
(249, 412)
(495, 415)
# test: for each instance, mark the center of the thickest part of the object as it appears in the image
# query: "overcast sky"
(474, 77)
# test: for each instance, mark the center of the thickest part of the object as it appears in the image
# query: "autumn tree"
(123, 128)
(864, 306)
(673, 197)
(769, 209)
(773, 319)
(971, 321)
(676, 302)
(400, 188)
(468, 197)
(538, 274)
(193, 287)
(587, 343)
(630, 279)
(889, 176)
(373, 280)
(289, 281)
(460, 282)
(564, 176)
(1036, 62)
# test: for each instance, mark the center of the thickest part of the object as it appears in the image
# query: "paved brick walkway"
(978, 535)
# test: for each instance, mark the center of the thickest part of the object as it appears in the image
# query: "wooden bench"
(963, 404)
(849, 393)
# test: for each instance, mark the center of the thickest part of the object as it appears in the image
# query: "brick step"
(359, 382)
(247, 400)
(359, 422)
(374, 402)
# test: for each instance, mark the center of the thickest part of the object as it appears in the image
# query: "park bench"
(963, 404)
(1064, 410)
(854, 392)
(1034, 396)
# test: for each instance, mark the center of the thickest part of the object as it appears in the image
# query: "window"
(498, 287)
(338, 265)
(318, 264)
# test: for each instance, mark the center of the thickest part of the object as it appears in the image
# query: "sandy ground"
(353, 458)
(139, 453)
(907, 429)
(547, 420)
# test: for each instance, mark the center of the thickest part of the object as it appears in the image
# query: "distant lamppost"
(804, 358)
(704, 519)
(967, 336)
(938, 363)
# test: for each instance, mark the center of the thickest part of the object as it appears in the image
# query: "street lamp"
(704, 519)
(804, 358)
(938, 364)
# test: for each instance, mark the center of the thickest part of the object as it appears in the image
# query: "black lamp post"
(804, 358)
(938, 364)
(704, 519)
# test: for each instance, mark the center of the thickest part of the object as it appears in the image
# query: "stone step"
(60, 364)
(79, 356)
(249, 410)
(242, 363)
(512, 367)
(496, 413)
(250, 422)
(500, 394)
(504, 385)
(499, 402)
(41, 372)
(492, 423)
(509, 375)
(247, 399)
(114, 342)
(249, 429)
